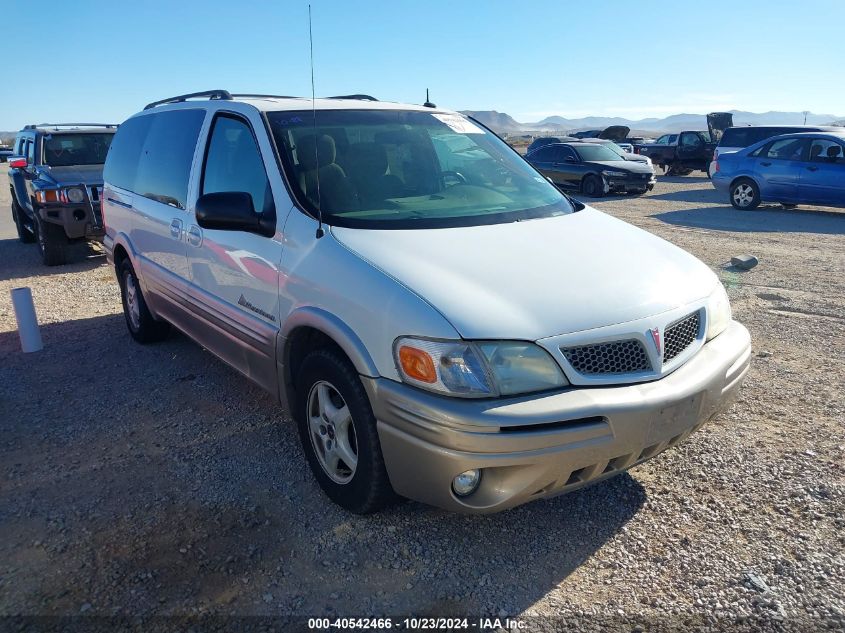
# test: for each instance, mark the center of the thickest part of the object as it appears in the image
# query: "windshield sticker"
(458, 124)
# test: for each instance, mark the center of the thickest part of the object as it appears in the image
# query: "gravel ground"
(141, 481)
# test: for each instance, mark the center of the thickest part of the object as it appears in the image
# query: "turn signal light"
(47, 195)
(417, 364)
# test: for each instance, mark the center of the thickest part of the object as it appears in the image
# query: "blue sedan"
(805, 168)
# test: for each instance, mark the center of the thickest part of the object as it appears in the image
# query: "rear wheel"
(338, 432)
(52, 242)
(591, 186)
(142, 326)
(745, 194)
(24, 234)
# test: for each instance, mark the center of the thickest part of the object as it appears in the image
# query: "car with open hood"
(592, 169)
(56, 178)
(441, 321)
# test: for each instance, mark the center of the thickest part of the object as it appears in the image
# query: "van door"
(159, 208)
(235, 274)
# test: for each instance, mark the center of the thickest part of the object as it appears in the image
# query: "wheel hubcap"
(132, 303)
(332, 432)
(743, 195)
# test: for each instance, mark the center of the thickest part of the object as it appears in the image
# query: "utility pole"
(806, 112)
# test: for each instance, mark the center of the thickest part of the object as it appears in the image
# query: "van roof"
(267, 103)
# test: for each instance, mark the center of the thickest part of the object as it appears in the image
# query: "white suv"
(442, 322)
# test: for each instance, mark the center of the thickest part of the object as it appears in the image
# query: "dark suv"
(56, 179)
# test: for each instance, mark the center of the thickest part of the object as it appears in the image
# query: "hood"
(75, 175)
(717, 123)
(632, 165)
(615, 132)
(636, 158)
(537, 278)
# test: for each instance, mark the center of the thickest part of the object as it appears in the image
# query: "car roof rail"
(35, 126)
(249, 95)
(358, 97)
(223, 95)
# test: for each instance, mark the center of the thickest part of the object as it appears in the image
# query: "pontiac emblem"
(655, 336)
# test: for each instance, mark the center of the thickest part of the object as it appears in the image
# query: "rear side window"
(164, 167)
(125, 151)
(823, 150)
(233, 163)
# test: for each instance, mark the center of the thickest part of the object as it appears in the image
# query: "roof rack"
(34, 126)
(211, 94)
(358, 97)
(257, 96)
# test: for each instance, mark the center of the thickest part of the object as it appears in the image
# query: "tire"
(591, 186)
(24, 234)
(327, 383)
(745, 194)
(52, 242)
(142, 326)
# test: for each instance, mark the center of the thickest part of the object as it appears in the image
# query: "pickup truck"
(679, 154)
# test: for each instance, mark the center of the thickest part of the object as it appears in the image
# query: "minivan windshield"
(64, 150)
(407, 169)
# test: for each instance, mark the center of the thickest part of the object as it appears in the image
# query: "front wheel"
(745, 194)
(338, 432)
(52, 242)
(591, 186)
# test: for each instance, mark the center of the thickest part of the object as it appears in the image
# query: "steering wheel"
(456, 176)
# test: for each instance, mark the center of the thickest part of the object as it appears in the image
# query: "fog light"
(78, 215)
(466, 483)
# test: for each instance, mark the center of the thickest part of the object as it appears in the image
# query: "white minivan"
(442, 322)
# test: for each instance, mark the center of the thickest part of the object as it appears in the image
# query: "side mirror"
(17, 162)
(569, 159)
(233, 211)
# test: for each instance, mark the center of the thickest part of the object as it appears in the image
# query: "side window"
(29, 151)
(233, 162)
(672, 140)
(564, 153)
(662, 139)
(125, 152)
(823, 150)
(785, 149)
(544, 154)
(19, 146)
(688, 139)
(164, 167)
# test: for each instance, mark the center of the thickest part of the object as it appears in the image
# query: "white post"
(28, 330)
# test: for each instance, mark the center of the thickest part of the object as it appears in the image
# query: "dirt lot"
(155, 480)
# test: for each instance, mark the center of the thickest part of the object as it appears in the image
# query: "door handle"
(176, 228)
(194, 235)
(813, 168)
(766, 164)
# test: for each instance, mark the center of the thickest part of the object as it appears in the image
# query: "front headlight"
(74, 195)
(718, 312)
(476, 369)
(614, 174)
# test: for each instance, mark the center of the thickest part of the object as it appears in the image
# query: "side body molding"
(331, 326)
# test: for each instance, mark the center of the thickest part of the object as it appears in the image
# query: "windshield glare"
(64, 150)
(407, 169)
(596, 153)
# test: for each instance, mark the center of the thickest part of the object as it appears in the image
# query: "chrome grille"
(680, 335)
(614, 357)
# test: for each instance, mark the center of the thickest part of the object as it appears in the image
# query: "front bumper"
(614, 184)
(543, 445)
(82, 220)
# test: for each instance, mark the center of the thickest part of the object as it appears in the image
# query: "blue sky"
(104, 59)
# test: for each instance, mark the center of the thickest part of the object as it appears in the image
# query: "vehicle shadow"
(681, 180)
(769, 219)
(706, 195)
(159, 481)
(18, 260)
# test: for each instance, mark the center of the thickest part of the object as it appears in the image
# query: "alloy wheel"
(132, 301)
(743, 194)
(332, 432)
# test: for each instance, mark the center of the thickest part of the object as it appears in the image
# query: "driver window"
(233, 163)
(690, 140)
(564, 153)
